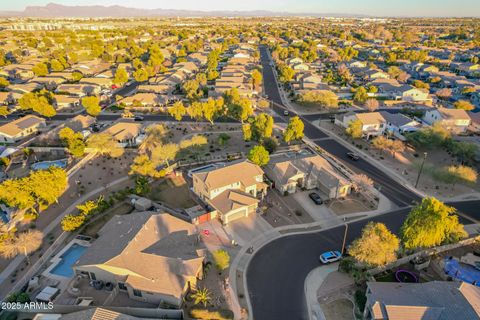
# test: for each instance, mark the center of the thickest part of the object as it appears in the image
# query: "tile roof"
(17, 126)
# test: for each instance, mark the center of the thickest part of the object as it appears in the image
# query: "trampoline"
(405, 276)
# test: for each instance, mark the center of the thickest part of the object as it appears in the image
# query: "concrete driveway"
(318, 212)
(246, 229)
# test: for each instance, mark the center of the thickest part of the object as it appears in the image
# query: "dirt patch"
(173, 191)
(338, 310)
(95, 226)
(352, 204)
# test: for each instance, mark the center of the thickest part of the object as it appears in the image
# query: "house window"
(137, 293)
(92, 276)
(122, 286)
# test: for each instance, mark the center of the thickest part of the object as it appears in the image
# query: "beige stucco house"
(155, 258)
(309, 172)
(18, 129)
(232, 191)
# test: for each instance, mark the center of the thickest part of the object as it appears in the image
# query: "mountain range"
(52, 10)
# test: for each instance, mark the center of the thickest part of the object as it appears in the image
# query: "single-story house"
(18, 129)
(154, 258)
(125, 133)
(435, 300)
(373, 123)
(398, 124)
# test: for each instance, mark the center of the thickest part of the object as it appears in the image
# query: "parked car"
(330, 256)
(353, 156)
(138, 118)
(315, 198)
(286, 113)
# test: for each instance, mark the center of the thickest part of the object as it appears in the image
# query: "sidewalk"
(313, 282)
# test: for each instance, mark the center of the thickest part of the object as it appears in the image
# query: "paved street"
(276, 273)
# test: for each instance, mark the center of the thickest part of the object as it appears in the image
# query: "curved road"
(276, 273)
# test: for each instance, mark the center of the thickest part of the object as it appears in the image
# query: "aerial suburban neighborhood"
(239, 161)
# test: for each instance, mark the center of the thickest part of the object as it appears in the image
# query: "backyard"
(173, 191)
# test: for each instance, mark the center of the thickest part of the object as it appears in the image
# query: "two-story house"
(454, 120)
(233, 190)
(373, 123)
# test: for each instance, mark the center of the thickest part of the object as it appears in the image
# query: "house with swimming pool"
(154, 258)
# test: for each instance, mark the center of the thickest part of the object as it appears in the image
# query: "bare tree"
(371, 104)
(24, 243)
(361, 182)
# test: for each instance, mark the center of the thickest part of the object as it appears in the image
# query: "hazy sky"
(372, 7)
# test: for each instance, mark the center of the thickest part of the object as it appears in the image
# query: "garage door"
(235, 216)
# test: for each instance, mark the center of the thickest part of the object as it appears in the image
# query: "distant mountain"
(52, 10)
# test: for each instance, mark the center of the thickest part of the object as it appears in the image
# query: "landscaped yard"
(172, 191)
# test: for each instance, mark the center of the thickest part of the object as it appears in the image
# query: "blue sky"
(372, 7)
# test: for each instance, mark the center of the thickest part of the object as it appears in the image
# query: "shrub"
(209, 314)
(222, 259)
(360, 300)
(72, 222)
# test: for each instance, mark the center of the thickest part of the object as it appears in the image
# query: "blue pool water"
(69, 257)
(44, 165)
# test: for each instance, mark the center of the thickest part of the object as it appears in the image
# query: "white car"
(286, 113)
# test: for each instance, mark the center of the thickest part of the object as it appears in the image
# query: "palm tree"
(25, 243)
(202, 296)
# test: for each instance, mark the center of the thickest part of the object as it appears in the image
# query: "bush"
(72, 222)
(222, 259)
(209, 314)
(360, 299)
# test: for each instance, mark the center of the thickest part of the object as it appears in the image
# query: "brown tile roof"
(453, 113)
(124, 130)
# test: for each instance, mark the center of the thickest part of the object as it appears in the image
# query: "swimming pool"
(67, 259)
(44, 165)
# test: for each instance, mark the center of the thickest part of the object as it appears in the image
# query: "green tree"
(294, 130)
(221, 259)
(40, 69)
(259, 155)
(4, 82)
(360, 95)
(247, 131)
(88, 207)
(191, 88)
(141, 75)
(376, 246)
(164, 153)
(256, 78)
(323, 98)
(73, 141)
(91, 105)
(121, 77)
(286, 73)
(105, 144)
(262, 126)
(177, 110)
(72, 222)
(464, 105)
(77, 76)
(142, 165)
(4, 112)
(56, 65)
(430, 224)
(38, 102)
(355, 129)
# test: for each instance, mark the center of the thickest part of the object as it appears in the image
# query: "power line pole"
(421, 168)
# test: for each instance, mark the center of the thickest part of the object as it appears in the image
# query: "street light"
(421, 168)
(344, 238)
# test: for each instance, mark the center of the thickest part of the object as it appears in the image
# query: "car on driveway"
(353, 156)
(315, 198)
(330, 256)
